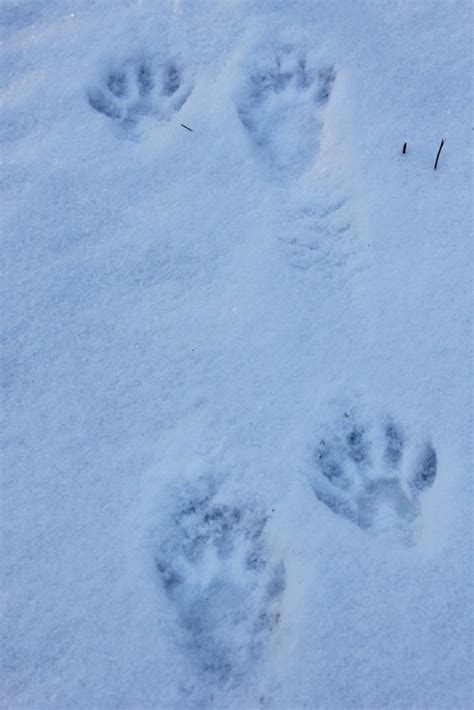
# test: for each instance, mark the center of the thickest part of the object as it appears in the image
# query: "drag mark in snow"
(215, 568)
(137, 87)
(372, 477)
(281, 104)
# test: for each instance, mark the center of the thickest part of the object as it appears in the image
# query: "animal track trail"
(215, 568)
(281, 107)
(137, 87)
(372, 476)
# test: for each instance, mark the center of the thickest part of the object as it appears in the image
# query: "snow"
(237, 360)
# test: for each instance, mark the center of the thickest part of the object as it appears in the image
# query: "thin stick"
(439, 151)
(404, 149)
(187, 127)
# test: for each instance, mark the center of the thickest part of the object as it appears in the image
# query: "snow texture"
(237, 359)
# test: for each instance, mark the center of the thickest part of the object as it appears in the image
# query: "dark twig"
(439, 151)
(404, 149)
(187, 127)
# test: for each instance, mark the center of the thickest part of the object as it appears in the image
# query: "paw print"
(135, 88)
(373, 477)
(281, 105)
(215, 568)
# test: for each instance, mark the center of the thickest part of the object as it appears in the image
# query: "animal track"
(280, 107)
(136, 87)
(372, 477)
(316, 237)
(215, 568)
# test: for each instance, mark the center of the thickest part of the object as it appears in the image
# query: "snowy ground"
(237, 360)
